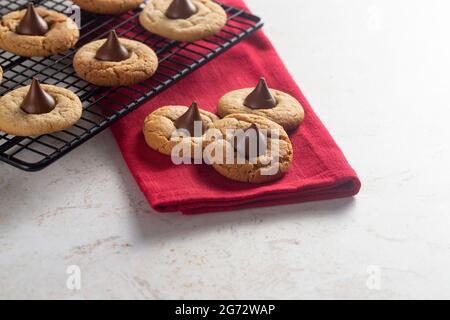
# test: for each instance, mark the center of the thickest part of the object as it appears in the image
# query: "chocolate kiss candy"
(243, 144)
(37, 101)
(261, 97)
(112, 49)
(187, 121)
(32, 24)
(181, 9)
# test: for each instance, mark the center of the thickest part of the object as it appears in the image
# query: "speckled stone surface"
(390, 242)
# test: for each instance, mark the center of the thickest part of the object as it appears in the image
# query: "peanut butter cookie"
(60, 34)
(65, 111)
(190, 21)
(160, 126)
(263, 153)
(273, 104)
(139, 63)
(108, 6)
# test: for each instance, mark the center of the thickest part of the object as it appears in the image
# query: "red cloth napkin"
(319, 170)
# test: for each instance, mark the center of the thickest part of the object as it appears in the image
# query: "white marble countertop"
(376, 73)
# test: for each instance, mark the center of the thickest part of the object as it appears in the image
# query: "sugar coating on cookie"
(108, 6)
(62, 36)
(288, 112)
(209, 19)
(141, 64)
(159, 128)
(271, 166)
(14, 121)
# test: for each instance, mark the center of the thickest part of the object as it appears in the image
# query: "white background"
(377, 73)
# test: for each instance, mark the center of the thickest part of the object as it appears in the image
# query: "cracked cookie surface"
(265, 168)
(209, 20)
(140, 66)
(288, 112)
(15, 121)
(159, 127)
(108, 6)
(62, 36)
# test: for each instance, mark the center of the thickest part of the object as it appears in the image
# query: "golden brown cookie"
(14, 121)
(63, 35)
(159, 128)
(1, 73)
(209, 19)
(288, 112)
(140, 66)
(271, 165)
(108, 6)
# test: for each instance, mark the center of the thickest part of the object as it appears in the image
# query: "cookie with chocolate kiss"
(183, 20)
(164, 128)
(261, 100)
(263, 154)
(37, 32)
(38, 109)
(115, 61)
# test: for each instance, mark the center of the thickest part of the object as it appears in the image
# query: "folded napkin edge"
(346, 185)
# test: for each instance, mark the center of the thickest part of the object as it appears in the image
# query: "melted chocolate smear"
(187, 121)
(261, 97)
(112, 49)
(32, 24)
(37, 101)
(181, 9)
(245, 145)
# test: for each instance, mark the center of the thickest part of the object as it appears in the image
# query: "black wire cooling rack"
(177, 60)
